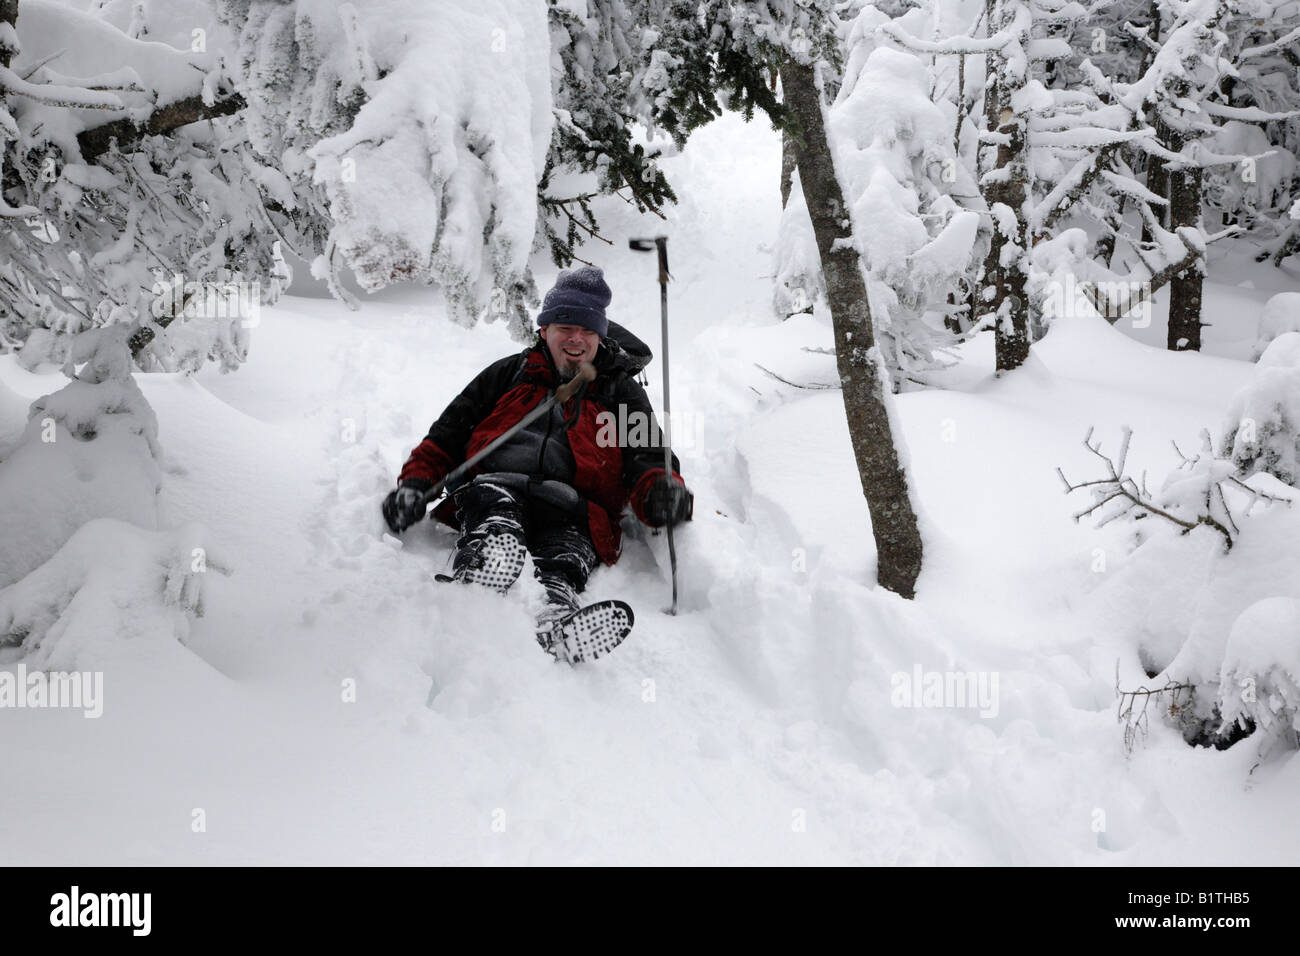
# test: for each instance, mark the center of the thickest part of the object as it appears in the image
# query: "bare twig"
(1135, 718)
(811, 385)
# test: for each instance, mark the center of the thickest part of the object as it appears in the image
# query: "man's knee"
(485, 507)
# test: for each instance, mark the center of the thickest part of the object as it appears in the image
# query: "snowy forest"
(985, 385)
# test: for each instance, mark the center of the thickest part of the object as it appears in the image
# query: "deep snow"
(757, 726)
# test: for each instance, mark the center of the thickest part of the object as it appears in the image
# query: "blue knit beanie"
(579, 297)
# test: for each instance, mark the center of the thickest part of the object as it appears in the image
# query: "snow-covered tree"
(720, 54)
(1222, 539)
(1259, 680)
(113, 188)
(1177, 109)
(1011, 95)
(1262, 433)
(895, 154)
(607, 83)
(404, 142)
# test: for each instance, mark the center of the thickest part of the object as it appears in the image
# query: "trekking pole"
(660, 243)
(586, 373)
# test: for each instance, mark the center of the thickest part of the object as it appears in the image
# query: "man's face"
(570, 346)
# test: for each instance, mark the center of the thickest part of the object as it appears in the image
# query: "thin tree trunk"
(884, 482)
(1185, 287)
(1157, 178)
(1004, 279)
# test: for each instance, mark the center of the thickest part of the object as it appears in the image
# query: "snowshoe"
(588, 632)
(494, 562)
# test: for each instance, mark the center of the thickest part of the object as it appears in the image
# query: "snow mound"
(1281, 314)
(77, 610)
(89, 450)
(1262, 430)
(1260, 680)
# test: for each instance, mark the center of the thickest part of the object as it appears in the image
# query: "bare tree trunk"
(1185, 287)
(1004, 279)
(884, 482)
(1157, 178)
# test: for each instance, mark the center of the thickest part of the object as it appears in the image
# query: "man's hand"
(403, 507)
(668, 502)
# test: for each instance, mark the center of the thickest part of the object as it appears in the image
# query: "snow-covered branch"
(1283, 41)
(51, 94)
(1193, 495)
(94, 142)
(952, 45)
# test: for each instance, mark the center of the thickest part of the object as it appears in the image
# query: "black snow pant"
(549, 518)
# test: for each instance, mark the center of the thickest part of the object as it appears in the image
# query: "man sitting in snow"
(558, 487)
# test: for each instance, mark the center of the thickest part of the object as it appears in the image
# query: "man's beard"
(566, 370)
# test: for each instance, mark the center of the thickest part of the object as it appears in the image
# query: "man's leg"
(491, 548)
(563, 557)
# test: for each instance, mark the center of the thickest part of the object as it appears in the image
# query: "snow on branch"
(1192, 496)
(94, 142)
(953, 45)
(53, 94)
(1074, 184)
(1247, 114)
(1282, 41)
(1130, 186)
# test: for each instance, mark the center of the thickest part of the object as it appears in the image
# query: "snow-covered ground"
(334, 705)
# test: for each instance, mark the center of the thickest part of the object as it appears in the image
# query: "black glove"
(668, 502)
(403, 507)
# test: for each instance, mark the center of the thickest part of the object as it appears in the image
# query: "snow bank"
(89, 450)
(1262, 427)
(1260, 678)
(1281, 314)
(111, 584)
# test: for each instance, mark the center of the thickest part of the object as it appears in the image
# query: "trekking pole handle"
(659, 243)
